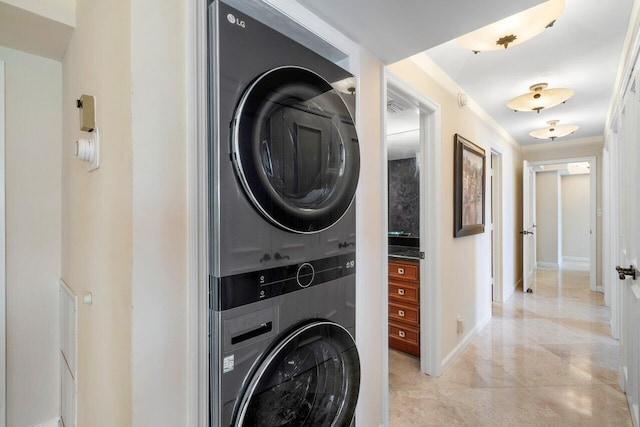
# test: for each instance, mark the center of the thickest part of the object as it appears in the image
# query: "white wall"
(97, 210)
(575, 216)
(370, 287)
(33, 89)
(159, 294)
(467, 291)
(569, 149)
(548, 219)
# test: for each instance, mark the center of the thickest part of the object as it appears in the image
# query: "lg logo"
(233, 20)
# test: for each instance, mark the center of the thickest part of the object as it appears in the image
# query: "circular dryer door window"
(295, 149)
(311, 378)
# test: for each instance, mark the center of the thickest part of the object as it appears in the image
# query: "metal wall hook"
(624, 272)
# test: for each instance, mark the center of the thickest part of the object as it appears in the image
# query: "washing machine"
(283, 164)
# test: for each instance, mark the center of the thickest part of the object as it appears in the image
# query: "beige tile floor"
(545, 359)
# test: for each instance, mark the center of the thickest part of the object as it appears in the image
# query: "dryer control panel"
(246, 288)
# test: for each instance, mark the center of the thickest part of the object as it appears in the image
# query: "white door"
(528, 225)
(626, 164)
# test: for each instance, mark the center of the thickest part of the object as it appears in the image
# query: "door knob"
(624, 272)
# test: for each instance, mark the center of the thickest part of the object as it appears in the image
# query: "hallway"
(544, 359)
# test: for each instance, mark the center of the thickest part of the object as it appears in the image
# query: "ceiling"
(580, 52)
(31, 32)
(394, 30)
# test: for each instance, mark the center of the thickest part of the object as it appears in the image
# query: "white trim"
(497, 209)
(384, 309)
(308, 20)
(463, 343)
(430, 195)
(197, 213)
(600, 289)
(628, 60)
(64, 362)
(553, 265)
(55, 422)
(575, 258)
(3, 267)
(515, 286)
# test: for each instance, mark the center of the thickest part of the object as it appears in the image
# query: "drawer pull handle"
(401, 334)
(400, 270)
(401, 313)
(401, 291)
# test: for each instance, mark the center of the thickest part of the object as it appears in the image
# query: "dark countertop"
(404, 252)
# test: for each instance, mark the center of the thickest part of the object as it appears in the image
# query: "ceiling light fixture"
(540, 98)
(347, 85)
(514, 29)
(554, 131)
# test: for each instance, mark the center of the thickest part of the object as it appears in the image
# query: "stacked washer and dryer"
(283, 169)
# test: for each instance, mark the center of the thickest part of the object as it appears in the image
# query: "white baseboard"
(506, 293)
(548, 265)
(51, 423)
(600, 289)
(575, 258)
(458, 349)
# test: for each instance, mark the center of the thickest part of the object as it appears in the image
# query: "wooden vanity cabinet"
(404, 306)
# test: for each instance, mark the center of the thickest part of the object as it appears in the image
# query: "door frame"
(528, 209)
(593, 182)
(3, 266)
(496, 211)
(197, 182)
(430, 195)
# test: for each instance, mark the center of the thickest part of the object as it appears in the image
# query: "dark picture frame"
(469, 188)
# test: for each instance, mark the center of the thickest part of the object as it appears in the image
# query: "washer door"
(295, 149)
(311, 378)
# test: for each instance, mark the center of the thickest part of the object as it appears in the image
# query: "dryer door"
(310, 378)
(295, 149)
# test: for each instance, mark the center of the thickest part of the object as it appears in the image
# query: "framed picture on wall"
(469, 189)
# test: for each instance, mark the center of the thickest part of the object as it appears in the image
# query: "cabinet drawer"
(404, 292)
(404, 313)
(404, 338)
(404, 270)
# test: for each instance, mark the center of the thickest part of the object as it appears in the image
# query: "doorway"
(419, 144)
(559, 216)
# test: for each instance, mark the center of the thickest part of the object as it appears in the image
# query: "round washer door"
(295, 149)
(310, 378)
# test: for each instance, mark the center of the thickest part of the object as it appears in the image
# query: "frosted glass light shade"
(347, 85)
(554, 131)
(515, 29)
(540, 98)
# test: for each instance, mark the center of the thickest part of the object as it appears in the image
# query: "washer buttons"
(306, 274)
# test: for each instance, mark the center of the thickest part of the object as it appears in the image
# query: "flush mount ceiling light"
(554, 131)
(347, 85)
(514, 29)
(540, 98)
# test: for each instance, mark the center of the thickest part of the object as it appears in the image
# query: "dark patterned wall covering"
(404, 196)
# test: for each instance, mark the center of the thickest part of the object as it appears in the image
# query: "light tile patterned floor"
(545, 359)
